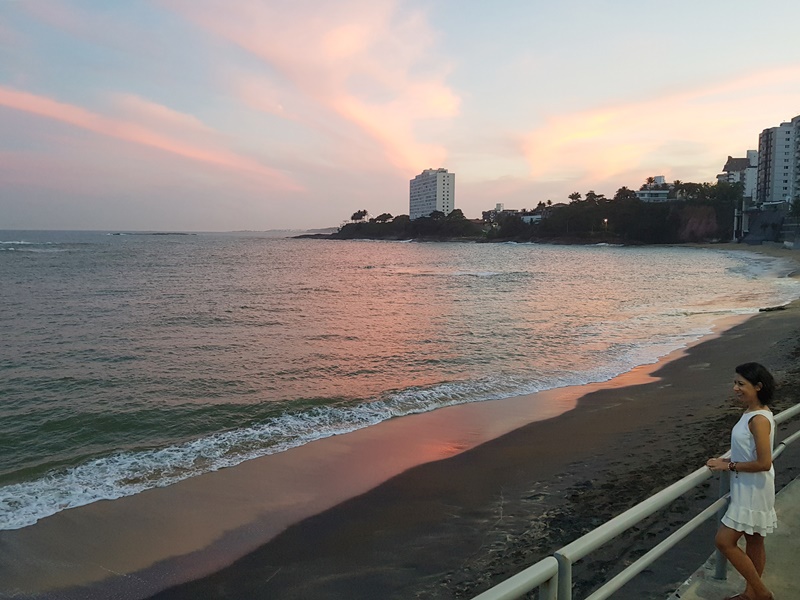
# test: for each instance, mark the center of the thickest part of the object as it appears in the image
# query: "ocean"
(130, 361)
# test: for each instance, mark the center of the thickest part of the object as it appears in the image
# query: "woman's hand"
(718, 464)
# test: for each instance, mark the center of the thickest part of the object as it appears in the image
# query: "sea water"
(130, 361)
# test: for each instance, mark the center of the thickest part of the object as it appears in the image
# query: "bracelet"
(732, 466)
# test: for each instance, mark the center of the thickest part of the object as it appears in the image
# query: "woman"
(751, 512)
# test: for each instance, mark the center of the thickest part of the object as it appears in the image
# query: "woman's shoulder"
(765, 414)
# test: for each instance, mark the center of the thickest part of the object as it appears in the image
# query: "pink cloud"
(362, 61)
(159, 116)
(133, 132)
(260, 95)
(656, 135)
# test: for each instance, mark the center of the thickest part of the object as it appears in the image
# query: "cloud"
(158, 116)
(651, 136)
(364, 62)
(133, 132)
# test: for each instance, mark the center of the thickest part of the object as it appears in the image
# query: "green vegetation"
(795, 210)
(693, 212)
(436, 226)
(699, 212)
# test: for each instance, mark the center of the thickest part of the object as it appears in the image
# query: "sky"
(220, 115)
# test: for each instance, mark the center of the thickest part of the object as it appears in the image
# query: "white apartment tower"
(433, 189)
(779, 163)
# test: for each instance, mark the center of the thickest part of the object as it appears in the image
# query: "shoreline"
(452, 528)
(263, 497)
(179, 534)
(137, 545)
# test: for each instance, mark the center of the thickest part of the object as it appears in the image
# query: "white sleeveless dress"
(752, 506)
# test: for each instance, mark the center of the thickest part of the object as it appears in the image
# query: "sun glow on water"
(138, 361)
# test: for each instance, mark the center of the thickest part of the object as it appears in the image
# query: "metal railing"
(553, 575)
(542, 574)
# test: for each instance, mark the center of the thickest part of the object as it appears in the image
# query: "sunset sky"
(216, 115)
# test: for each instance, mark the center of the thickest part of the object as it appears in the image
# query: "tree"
(698, 192)
(575, 196)
(456, 215)
(512, 226)
(383, 218)
(594, 198)
(795, 210)
(437, 215)
(625, 193)
(359, 215)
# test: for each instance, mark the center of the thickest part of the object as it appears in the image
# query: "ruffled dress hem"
(767, 526)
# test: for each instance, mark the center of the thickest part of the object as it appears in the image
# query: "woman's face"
(745, 392)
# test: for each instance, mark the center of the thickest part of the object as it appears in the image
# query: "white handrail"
(528, 579)
(542, 574)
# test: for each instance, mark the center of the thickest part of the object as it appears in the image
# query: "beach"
(450, 529)
(424, 506)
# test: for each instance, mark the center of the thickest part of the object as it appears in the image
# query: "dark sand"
(452, 528)
(449, 528)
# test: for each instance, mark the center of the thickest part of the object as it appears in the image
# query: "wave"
(497, 370)
(128, 473)
(26, 246)
(477, 273)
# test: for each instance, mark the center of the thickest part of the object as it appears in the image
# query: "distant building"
(491, 216)
(533, 216)
(433, 189)
(658, 191)
(653, 195)
(500, 213)
(779, 163)
(742, 170)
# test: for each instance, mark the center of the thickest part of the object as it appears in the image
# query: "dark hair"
(755, 374)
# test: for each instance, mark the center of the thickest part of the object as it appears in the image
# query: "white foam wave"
(476, 273)
(128, 473)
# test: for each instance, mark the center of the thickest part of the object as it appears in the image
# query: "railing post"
(583, 546)
(549, 589)
(721, 569)
(564, 577)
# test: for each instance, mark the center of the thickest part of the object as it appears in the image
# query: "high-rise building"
(779, 163)
(433, 189)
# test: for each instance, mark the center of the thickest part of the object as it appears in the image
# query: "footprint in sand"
(700, 366)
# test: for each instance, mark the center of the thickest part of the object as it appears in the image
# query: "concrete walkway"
(782, 574)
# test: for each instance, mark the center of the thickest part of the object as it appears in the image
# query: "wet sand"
(433, 506)
(451, 528)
